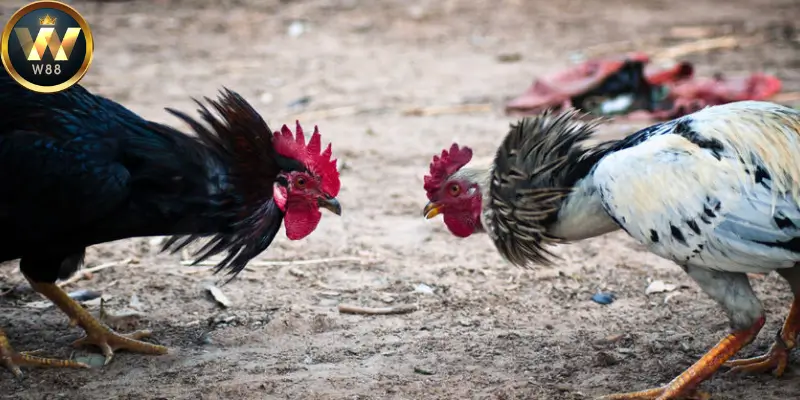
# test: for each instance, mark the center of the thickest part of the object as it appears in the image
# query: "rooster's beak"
(331, 204)
(431, 210)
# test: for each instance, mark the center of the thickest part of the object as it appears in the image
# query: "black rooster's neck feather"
(243, 141)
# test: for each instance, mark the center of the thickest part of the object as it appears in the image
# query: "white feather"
(582, 215)
(666, 188)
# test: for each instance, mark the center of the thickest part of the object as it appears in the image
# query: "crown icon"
(47, 20)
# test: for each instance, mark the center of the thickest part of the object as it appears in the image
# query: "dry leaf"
(218, 296)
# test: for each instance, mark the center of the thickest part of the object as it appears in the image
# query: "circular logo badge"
(47, 46)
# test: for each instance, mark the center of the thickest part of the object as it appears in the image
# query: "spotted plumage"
(715, 170)
(716, 191)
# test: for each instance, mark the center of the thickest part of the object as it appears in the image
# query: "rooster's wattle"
(716, 191)
(79, 169)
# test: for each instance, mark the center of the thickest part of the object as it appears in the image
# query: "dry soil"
(485, 329)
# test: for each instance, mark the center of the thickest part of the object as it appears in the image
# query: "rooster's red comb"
(445, 165)
(310, 154)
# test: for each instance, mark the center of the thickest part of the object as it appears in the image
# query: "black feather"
(244, 141)
(87, 170)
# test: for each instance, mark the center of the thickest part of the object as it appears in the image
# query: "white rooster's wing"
(692, 191)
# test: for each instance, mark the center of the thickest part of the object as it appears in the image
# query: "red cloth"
(684, 92)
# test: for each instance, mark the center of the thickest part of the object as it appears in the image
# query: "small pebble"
(205, 339)
(94, 360)
(423, 371)
(387, 299)
(417, 12)
(97, 301)
(509, 57)
(603, 298)
(296, 28)
(266, 98)
(423, 288)
(329, 302)
(84, 295)
(609, 339)
(299, 103)
(659, 287)
(603, 359)
(624, 350)
(135, 303)
(297, 272)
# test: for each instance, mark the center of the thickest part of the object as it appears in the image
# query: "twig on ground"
(622, 46)
(348, 111)
(306, 262)
(324, 286)
(335, 112)
(691, 32)
(297, 272)
(195, 270)
(87, 273)
(401, 309)
(787, 97)
(456, 109)
(657, 54)
(209, 263)
(702, 45)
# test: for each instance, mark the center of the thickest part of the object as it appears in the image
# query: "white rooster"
(716, 191)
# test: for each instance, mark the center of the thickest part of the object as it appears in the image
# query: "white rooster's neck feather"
(476, 172)
(582, 215)
(534, 171)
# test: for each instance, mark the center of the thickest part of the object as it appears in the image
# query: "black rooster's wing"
(51, 187)
(61, 160)
(57, 174)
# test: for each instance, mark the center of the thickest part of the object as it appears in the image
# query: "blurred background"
(390, 83)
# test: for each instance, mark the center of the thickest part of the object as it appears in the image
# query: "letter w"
(47, 37)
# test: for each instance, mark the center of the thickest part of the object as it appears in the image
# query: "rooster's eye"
(455, 189)
(300, 182)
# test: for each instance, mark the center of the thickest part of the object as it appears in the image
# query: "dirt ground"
(484, 329)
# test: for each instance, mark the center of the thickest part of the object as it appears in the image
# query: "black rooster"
(77, 169)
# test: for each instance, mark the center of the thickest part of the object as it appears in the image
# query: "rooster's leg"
(733, 292)
(683, 386)
(786, 339)
(13, 360)
(96, 333)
